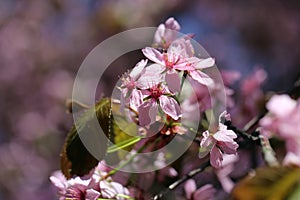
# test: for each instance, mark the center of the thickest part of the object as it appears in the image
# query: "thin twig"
(242, 133)
(268, 152)
(180, 181)
(253, 122)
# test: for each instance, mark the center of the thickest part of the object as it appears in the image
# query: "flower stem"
(113, 171)
(181, 83)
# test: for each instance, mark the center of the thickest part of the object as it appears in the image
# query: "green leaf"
(295, 195)
(269, 183)
(75, 158)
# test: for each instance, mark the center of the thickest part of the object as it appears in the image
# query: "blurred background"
(43, 43)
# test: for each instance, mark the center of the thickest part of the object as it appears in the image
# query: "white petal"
(205, 63)
(136, 72)
(147, 112)
(154, 55)
(170, 106)
(201, 77)
(173, 81)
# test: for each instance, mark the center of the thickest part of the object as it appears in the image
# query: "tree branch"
(180, 181)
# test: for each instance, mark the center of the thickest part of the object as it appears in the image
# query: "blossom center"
(156, 91)
(170, 61)
(129, 83)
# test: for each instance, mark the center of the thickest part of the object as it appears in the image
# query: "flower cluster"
(282, 121)
(154, 94)
(147, 89)
(97, 186)
(39, 52)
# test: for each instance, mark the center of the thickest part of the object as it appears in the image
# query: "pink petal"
(224, 115)
(205, 63)
(206, 192)
(216, 157)
(207, 140)
(206, 144)
(187, 64)
(291, 158)
(171, 172)
(159, 34)
(152, 75)
(147, 112)
(281, 105)
(166, 33)
(225, 135)
(170, 106)
(172, 24)
(228, 147)
(201, 77)
(79, 181)
(253, 82)
(230, 76)
(289, 127)
(227, 168)
(120, 189)
(59, 180)
(136, 72)
(154, 55)
(189, 49)
(194, 61)
(184, 65)
(181, 47)
(136, 99)
(189, 188)
(173, 81)
(107, 191)
(110, 190)
(228, 162)
(92, 194)
(171, 30)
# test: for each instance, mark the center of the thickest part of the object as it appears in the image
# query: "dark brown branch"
(180, 181)
(252, 137)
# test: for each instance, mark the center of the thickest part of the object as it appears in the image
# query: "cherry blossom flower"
(74, 188)
(111, 190)
(224, 172)
(205, 192)
(282, 121)
(129, 81)
(166, 33)
(218, 143)
(89, 189)
(157, 95)
(152, 75)
(293, 151)
(179, 56)
(248, 106)
(139, 78)
(278, 121)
